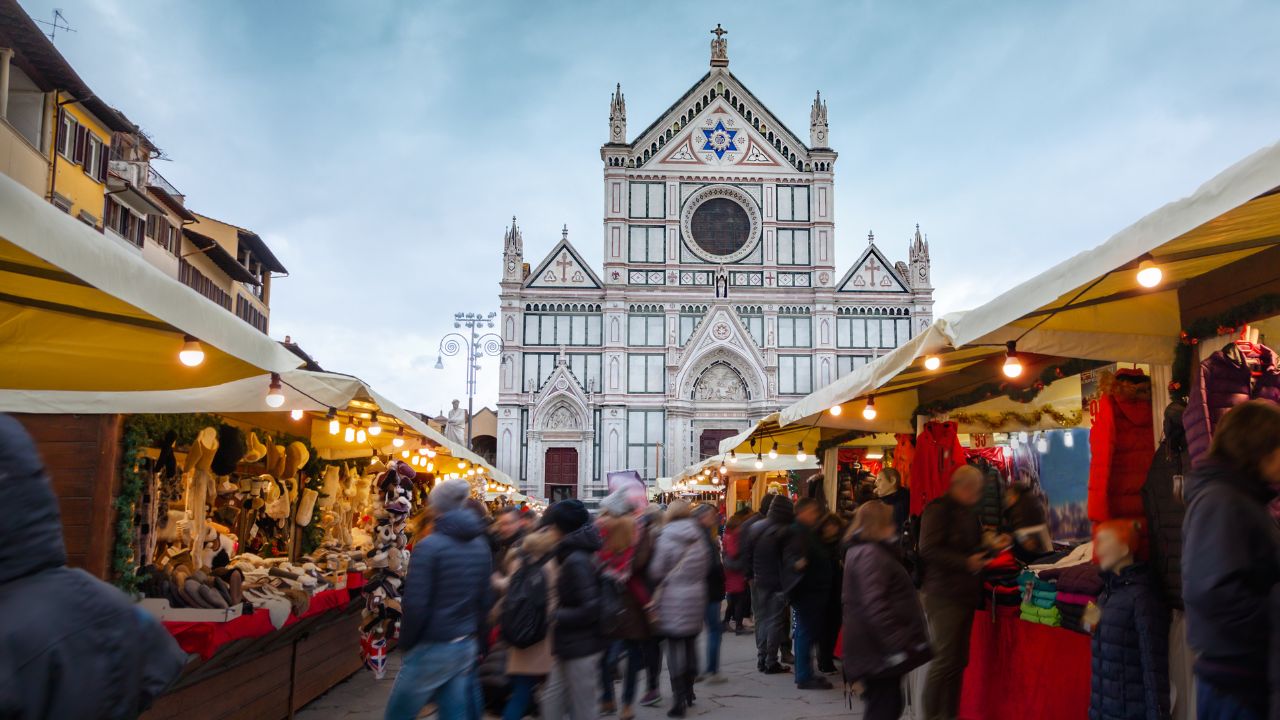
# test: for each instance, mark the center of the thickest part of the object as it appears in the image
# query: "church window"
(846, 364)
(644, 373)
(645, 330)
(537, 367)
(793, 203)
(720, 226)
(584, 366)
(648, 200)
(562, 329)
(645, 432)
(793, 247)
(795, 374)
(872, 332)
(795, 331)
(688, 323)
(646, 245)
(753, 319)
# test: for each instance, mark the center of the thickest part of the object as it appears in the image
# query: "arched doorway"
(560, 473)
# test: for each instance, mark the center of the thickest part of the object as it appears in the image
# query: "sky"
(382, 148)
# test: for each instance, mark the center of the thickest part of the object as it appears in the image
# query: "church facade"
(720, 299)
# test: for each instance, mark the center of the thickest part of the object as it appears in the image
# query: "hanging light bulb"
(759, 461)
(462, 464)
(1012, 365)
(1149, 274)
(296, 414)
(723, 470)
(431, 467)
(869, 412)
(398, 440)
(1068, 439)
(800, 454)
(733, 458)
(349, 434)
(932, 362)
(773, 451)
(836, 410)
(423, 450)
(1042, 444)
(334, 425)
(405, 454)
(360, 434)
(431, 453)
(715, 479)
(275, 392)
(192, 353)
(375, 427)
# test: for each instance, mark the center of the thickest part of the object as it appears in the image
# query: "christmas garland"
(997, 421)
(1225, 323)
(123, 568)
(1017, 393)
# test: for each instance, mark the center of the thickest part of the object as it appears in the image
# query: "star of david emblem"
(720, 140)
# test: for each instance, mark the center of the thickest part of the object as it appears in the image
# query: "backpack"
(612, 605)
(524, 610)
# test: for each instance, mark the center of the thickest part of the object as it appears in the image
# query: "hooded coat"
(1130, 650)
(885, 633)
(681, 561)
(938, 455)
(1120, 446)
(447, 592)
(774, 557)
(71, 646)
(578, 632)
(1226, 379)
(1162, 498)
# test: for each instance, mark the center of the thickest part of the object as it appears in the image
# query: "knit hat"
(617, 503)
(782, 511)
(766, 502)
(567, 515)
(449, 495)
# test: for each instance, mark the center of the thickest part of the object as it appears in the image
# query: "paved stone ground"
(747, 695)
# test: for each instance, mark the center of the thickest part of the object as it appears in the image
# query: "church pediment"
(563, 268)
(872, 274)
(562, 405)
(719, 137)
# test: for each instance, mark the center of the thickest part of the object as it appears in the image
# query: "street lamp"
(476, 346)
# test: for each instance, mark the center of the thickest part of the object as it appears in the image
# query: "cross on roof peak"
(719, 31)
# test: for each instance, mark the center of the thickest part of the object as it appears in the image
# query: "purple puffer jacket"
(1226, 381)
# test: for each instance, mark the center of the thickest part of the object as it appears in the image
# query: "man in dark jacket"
(747, 536)
(809, 596)
(446, 600)
(1230, 568)
(578, 638)
(951, 549)
(71, 646)
(773, 565)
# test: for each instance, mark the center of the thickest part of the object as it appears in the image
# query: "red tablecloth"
(204, 638)
(1019, 670)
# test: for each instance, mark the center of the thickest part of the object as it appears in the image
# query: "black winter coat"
(71, 646)
(715, 573)
(747, 536)
(1164, 508)
(949, 534)
(447, 593)
(1130, 650)
(991, 503)
(885, 633)
(577, 625)
(817, 580)
(774, 557)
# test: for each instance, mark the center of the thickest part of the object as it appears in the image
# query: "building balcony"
(20, 160)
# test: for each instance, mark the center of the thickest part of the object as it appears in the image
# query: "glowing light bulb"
(715, 480)
(1012, 365)
(296, 414)
(733, 458)
(773, 452)
(836, 410)
(759, 461)
(1149, 274)
(723, 470)
(375, 427)
(334, 426)
(423, 450)
(405, 454)
(275, 392)
(192, 353)
(1042, 444)
(1068, 439)
(398, 440)
(431, 467)
(349, 434)
(932, 362)
(361, 436)
(869, 412)
(800, 453)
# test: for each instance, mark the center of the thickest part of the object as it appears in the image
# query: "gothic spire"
(513, 241)
(819, 136)
(618, 117)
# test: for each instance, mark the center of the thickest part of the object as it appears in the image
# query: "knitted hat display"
(449, 495)
(782, 510)
(567, 515)
(231, 447)
(306, 507)
(296, 457)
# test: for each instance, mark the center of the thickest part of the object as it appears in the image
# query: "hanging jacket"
(71, 646)
(938, 455)
(1226, 380)
(1162, 500)
(904, 455)
(991, 504)
(1120, 445)
(681, 558)
(1130, 650)
(884, 627)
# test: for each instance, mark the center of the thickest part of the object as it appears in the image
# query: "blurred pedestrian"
(738, 599)
(889, 490)
(623, 561)
(578, 639)
(775, 573)
(831, 533)
(530, 665)
(679, 569)
(811, 593)
(709, 519)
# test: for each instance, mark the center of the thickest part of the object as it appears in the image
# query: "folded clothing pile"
(1000, 580)
(1078, 585)
(1039, 597)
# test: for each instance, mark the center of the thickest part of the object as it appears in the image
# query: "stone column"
(6, 55)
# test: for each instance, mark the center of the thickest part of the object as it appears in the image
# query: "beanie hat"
(765, 502)
(449, 495)
(782, 511)
(567, 515)
(617, 503)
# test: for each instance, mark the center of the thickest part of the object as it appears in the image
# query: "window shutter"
(104, 157)
(77, 153)
(59, 131)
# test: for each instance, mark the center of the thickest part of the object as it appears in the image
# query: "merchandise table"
(1019, 669)
(206, 638)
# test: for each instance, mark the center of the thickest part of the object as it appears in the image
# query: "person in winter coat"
(1162, 498)
(1024, 519)
(71, 646)
(747, 538)
(709, 519)
(1226, 379)
(623, 560)
(1131, 638)
(810, 595)
(775, 568)
(738, 599)
(885, 636)
(446, 601)
(1230, 566)
(526, 667)
(831, 533)
(679, 569)
(579, 640)
(889, 491)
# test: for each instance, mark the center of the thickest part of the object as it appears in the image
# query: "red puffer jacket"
(938, 455)
(1121, 444)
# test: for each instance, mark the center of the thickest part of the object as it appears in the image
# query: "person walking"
(709, 519)
(1230, 572)
(951, 548)
(528, 666)
(650, 524)
(885, 636)
(74, 646)
(680, 564)
(446, 599)
(774, 569)
(579, 639)
(889, 490)
(738, 599)
(831, 533)
(748, 535)
(810, 595)
(623, 561)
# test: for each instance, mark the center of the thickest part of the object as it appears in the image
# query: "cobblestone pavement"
(746, 695)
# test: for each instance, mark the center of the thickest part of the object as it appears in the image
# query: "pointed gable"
(563, 268)
(719, 136)
(872, 274)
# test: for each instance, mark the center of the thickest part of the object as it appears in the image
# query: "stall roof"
(81, 311)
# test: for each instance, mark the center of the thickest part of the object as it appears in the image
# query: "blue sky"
(381, 148)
